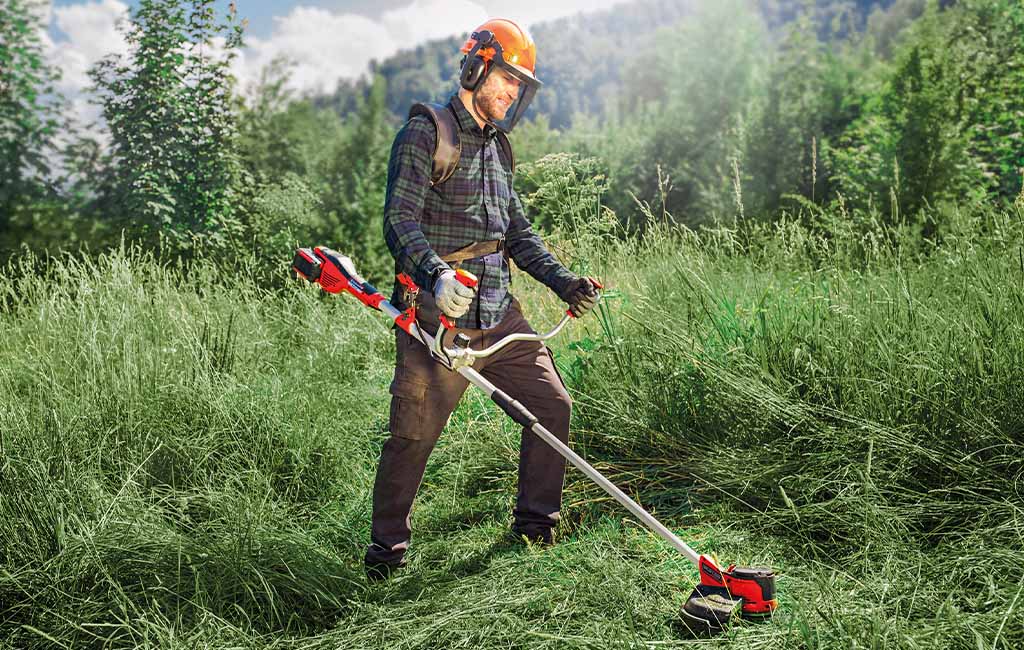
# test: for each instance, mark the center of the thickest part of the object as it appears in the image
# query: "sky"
(326, 39)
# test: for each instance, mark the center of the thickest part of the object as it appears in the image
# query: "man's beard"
(491, 110)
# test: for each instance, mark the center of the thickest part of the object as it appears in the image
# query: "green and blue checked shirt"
(477, 203)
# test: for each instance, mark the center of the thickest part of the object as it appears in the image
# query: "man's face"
(498, 92)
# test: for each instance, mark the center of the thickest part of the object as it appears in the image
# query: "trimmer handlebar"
(335, 273)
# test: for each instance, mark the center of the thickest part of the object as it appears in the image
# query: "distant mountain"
(581, 59)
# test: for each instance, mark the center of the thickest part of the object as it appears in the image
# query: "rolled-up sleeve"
(529, 253)
(408, 182)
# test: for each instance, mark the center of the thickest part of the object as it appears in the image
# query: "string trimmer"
(721, 595)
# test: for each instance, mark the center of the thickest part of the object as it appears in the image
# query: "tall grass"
(864, 411)
(186, 459)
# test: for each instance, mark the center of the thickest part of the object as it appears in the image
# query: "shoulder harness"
(448, 145)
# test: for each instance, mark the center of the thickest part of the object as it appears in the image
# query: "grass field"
(186, 460)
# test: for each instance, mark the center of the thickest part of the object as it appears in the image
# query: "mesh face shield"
(511, 85)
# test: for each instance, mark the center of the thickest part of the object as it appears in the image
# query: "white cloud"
(325, 46)
(423, 21)
(90, 31)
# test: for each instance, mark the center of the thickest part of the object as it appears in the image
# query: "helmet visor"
(512, 93)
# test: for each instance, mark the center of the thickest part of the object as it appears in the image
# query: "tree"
(29, 109)
(355, 182)
(991, 99)
(691, 94)
(911, 147)
(170, 111)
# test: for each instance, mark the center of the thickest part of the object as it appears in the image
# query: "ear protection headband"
(473, 66)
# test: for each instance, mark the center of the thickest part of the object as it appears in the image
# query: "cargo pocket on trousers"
(407, 409)
(558, 374)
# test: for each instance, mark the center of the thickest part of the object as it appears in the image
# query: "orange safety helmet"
(517, 46)
(500, 43)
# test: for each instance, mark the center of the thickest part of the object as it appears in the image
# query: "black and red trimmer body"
(723, 595)
(754, 585)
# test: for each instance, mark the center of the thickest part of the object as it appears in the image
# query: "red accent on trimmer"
(338, 274)
(332, 280)
(406, 281)
(755, 585)
(466, 278)
(406, 320)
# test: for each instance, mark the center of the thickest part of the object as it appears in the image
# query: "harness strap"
(447, 145)
(476, 249)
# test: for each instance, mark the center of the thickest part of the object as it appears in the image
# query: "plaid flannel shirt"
(477, 203)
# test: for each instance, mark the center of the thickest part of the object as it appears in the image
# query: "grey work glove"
(581, 295)
(452, 297)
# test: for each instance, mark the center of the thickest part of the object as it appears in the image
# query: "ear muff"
(473, 65)
(472, 72)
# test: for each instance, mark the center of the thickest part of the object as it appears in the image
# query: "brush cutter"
(721, 596)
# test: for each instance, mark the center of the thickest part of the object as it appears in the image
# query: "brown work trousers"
(424, 394)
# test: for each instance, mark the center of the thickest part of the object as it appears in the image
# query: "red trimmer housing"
(754, 585)
(722, 596)
(334, 273)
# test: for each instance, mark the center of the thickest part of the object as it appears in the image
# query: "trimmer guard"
(754, 585)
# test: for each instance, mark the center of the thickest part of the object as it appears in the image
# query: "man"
(474, 220)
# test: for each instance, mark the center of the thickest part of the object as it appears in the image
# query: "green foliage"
(280, 134)
(810, 98)
(948, 122)
(690, 126)
(169, 109)
(283, 214)
(911, 144)
(561, 189)
(29, 111)
(886, 27)
(343, 163)
(562, 193)
(987, 37)
(353, 185)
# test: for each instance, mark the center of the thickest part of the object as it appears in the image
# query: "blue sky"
(262, 13)
(325, 40)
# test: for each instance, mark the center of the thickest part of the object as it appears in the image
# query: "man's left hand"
(581, 295)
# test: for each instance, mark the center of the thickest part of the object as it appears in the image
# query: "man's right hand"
(452, 297)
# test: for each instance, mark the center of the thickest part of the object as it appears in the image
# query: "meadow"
(187, 456)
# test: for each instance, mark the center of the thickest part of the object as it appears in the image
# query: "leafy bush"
(169, 108)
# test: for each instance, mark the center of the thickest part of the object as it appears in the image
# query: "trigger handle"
(466, 278)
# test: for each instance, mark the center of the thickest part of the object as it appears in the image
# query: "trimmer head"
(709, 610)
(722, 595)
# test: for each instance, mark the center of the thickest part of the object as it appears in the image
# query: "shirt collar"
(466, 121)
